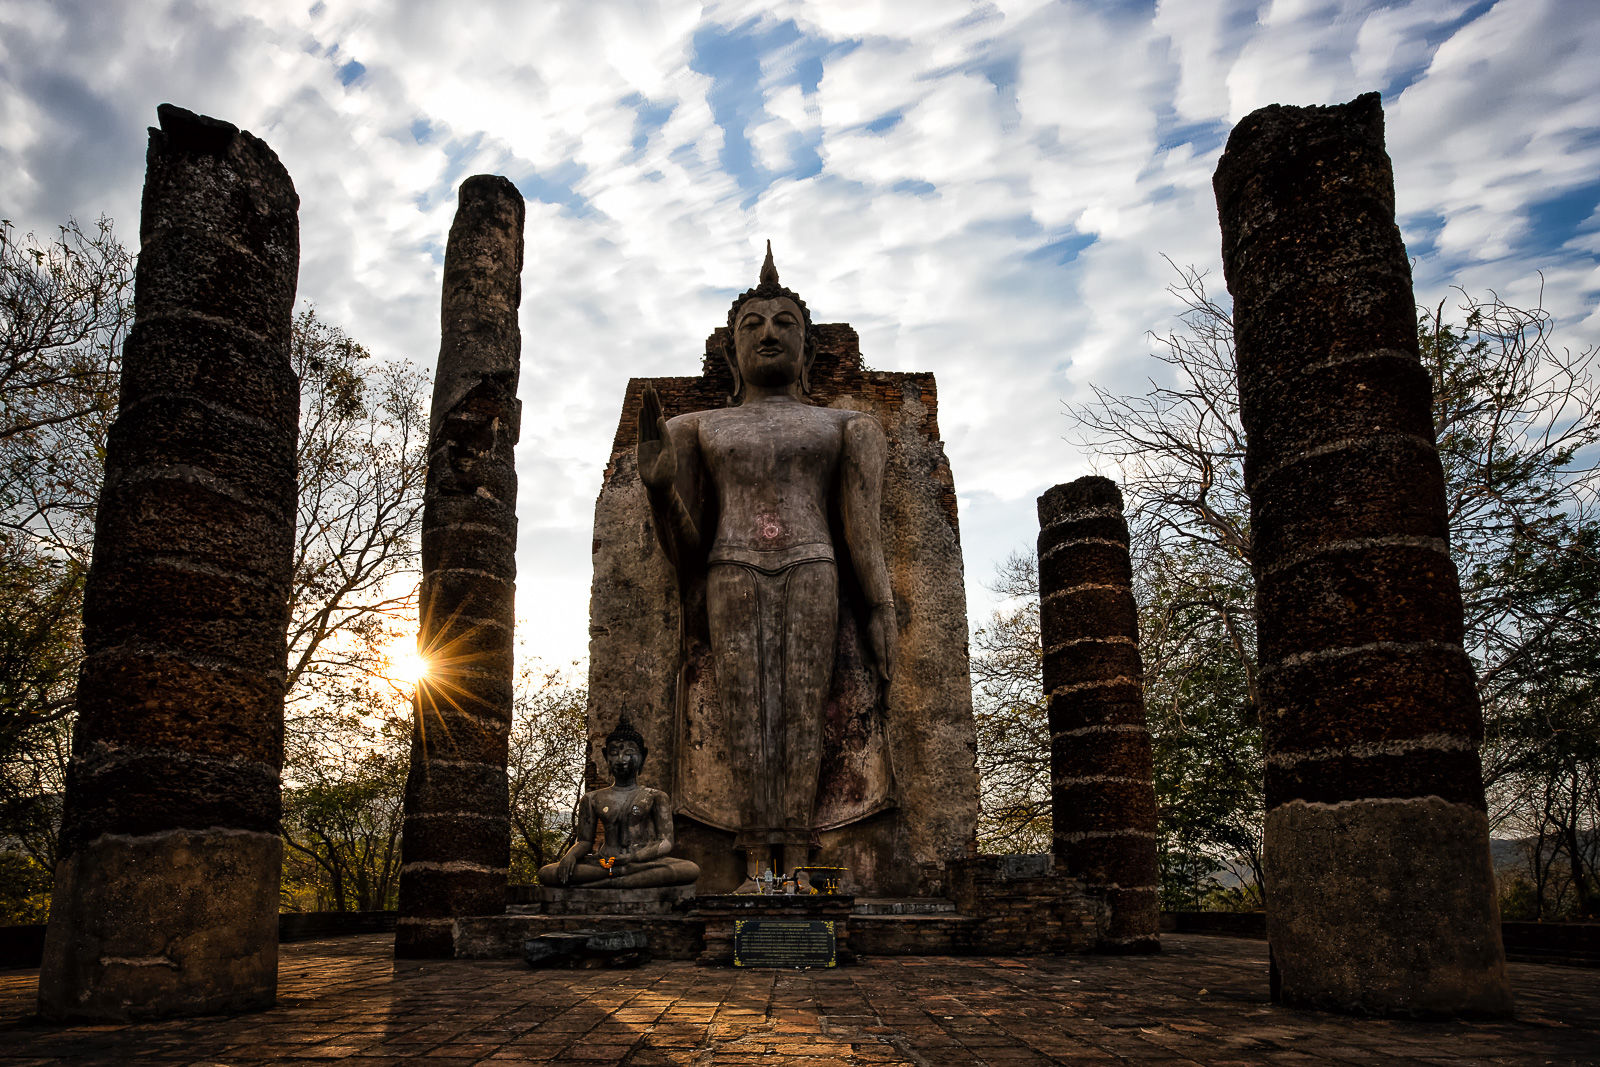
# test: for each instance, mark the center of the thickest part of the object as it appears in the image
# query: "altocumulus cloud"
(984, 190)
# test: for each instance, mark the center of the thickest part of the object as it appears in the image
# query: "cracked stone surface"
(1203, 1000)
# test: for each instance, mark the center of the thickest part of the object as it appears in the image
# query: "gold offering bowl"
(824, 880)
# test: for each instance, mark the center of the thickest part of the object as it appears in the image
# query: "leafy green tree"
(1518, 421)
(1205, 734)
(548, 744)
(25, 886)
(1206, 741)
(39, 652)
(343, 810)
(1008, 709)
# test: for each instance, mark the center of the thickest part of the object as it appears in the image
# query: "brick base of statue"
(724, 914)
(987, 906)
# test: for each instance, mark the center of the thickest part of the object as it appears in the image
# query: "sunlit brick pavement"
(1203, 1001)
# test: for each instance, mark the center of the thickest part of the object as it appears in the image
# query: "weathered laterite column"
(1380, 895)
(457, 844)
(1102, 787)
(166, 896)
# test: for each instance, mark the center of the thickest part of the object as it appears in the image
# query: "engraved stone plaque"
(784, 943)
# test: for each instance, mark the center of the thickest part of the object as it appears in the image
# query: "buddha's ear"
(732, 361)
(808, 356)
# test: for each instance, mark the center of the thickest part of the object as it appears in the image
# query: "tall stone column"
(166, 896)
(1102, 786)
(1380, 894)
(456, 849)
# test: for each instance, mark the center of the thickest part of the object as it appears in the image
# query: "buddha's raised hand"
(658, 460)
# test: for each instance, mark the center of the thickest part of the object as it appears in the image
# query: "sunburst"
(451, 692)
(405, 667)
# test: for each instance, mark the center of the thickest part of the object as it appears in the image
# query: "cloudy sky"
(985, 190)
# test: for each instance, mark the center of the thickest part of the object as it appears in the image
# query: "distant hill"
(1511, 853)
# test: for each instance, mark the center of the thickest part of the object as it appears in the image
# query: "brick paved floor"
(1203, 1000)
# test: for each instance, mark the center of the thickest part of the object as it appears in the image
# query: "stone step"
(903, 906)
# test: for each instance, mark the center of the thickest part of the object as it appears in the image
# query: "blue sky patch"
(554, 186)
(1065, 249)
(1421, 234)
(1001, 71)
(733, 58)
(1557, 220)
(886, 122)
(914, 187)
(1204, 137)
(647, 118)
(1432, 37)
(350, 72)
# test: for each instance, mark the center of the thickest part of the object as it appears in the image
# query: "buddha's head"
(772, 343)
(625, 746)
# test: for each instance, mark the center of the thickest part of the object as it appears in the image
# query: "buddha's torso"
(772, 465)
(628, 815)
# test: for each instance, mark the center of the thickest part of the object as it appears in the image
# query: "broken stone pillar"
(456, 849)
(166, 895)
(1102, 795)
(1380, 893)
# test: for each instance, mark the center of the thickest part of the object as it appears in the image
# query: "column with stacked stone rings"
(1380, 891)
(456, 849)
(1102, 784)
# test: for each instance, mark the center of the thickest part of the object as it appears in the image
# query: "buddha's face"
(624, 758)
(769, 340)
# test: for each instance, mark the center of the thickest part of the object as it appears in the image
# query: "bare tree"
(64, 308)
(1178, 452)
(1518, 425)
(362, 461)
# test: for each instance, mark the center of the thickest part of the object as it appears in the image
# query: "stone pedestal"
(588, 948)
(182, 923)
(720, 914)
(1025, 906)
(555, 900)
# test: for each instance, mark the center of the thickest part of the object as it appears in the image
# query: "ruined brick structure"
(639, 651)
(1380, 893)
(166, 897)
(456, 849)
(1026, 906)
(1102, 788)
